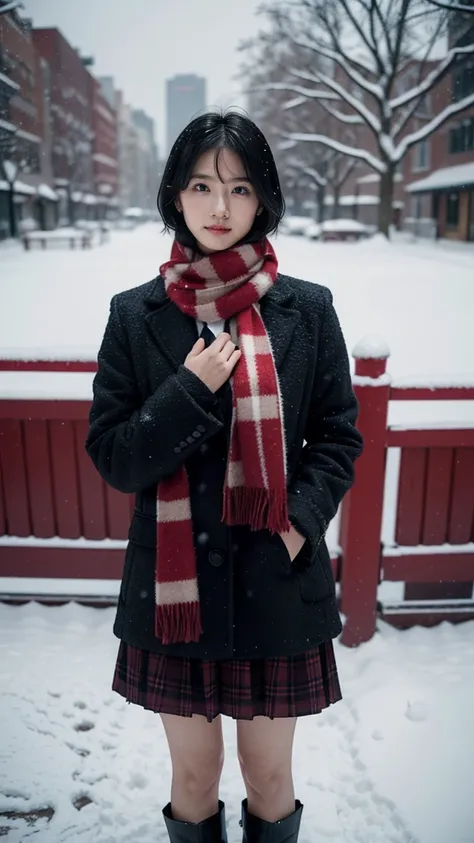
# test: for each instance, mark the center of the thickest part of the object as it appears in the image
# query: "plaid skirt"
(286, 686)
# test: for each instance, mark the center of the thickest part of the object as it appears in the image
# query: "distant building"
(441, 191)
(149, 163)
(25, 138)
(185, 98)
(72, 124)
(104, 151)
(137, 153)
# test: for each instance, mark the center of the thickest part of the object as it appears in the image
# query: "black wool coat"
(150, 414)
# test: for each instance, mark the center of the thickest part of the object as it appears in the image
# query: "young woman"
(223, 400)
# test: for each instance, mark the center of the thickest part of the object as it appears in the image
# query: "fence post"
(361, 516)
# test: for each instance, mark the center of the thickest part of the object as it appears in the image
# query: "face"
(218, 211)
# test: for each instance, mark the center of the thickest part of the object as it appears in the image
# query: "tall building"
(185, 98)
(150, 165)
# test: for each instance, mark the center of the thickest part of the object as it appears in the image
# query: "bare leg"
(197, 757)
(265, 752)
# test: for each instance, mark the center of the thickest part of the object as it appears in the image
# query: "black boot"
(211, 830)
(260, 831)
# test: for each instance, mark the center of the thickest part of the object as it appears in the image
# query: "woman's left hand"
(293, 541)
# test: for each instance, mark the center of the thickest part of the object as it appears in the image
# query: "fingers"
(234, 357)
(220, 341)
(198, 347)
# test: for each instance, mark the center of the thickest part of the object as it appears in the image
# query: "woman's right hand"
(215, 364)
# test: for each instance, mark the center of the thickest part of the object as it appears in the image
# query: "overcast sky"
(143, 42)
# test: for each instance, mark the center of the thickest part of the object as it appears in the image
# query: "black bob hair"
(218, 131)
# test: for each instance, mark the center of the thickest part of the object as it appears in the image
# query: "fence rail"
(60, 521)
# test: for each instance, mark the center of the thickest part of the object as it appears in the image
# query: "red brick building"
(72, 123)
(23, 130)
(439, 174)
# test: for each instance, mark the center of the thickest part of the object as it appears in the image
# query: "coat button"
(190, 440)
(196, 434)
(216, 558)
(201, 428)
(177, 450)
(183, 444)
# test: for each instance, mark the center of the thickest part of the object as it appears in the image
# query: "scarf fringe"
(178, 623)
(257, 508)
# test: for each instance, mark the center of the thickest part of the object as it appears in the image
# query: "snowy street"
(392, 762)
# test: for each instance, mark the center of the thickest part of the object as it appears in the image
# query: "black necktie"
(207, 334)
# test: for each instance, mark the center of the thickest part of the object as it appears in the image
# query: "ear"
(259, 211)
(179, 206)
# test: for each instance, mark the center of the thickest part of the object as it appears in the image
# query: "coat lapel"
(175, 333)
(172, 330)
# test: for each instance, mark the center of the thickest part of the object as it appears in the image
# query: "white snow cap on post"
(371, 347)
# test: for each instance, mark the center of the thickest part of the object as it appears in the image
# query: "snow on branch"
(432, 78)
(294, 164)
(350, 119)
(368, 117)
(452, 7)
(307, 93)
(343, 61)
(10, 7)
(352, 152)
(429, 128)
(294, 103)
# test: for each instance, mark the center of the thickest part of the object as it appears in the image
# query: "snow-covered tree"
(10, 6)
(303, 168)
(372, 64)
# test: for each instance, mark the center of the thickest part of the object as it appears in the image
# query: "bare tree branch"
(343, 61)
(360, 154)
(348, 119)
(452, 7)
(435, 123)
(435, 76)
(369, 119)
(10, 7)
(308, 93)
(372, 47)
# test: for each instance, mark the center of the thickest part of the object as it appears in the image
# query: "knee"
(197, 776)
(264, 776)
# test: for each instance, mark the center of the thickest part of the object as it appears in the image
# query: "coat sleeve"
(133, 444)
(333, 443)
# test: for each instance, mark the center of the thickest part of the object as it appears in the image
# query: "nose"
(220, 209)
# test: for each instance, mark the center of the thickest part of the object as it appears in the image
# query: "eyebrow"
(213, 178)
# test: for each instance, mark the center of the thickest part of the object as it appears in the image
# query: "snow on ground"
(391, 763)
(420, 299)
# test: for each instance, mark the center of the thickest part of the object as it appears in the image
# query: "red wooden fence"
(58, 519)
(433, 547)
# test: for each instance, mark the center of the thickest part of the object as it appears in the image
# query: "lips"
(217, 229)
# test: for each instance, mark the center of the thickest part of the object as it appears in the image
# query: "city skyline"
(142, 53)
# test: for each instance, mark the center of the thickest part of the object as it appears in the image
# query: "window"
(461, 137)
(416, 207)
(452, 209)
(463, 82)
(421, 155)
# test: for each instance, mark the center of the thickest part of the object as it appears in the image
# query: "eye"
(242, 191)
(200, 187)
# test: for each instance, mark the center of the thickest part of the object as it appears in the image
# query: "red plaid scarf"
(224, 285)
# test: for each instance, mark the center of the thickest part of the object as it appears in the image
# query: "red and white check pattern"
(225, 285)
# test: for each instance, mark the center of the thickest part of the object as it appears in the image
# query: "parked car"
(344, 229)
(294, 225)
(313, 231)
